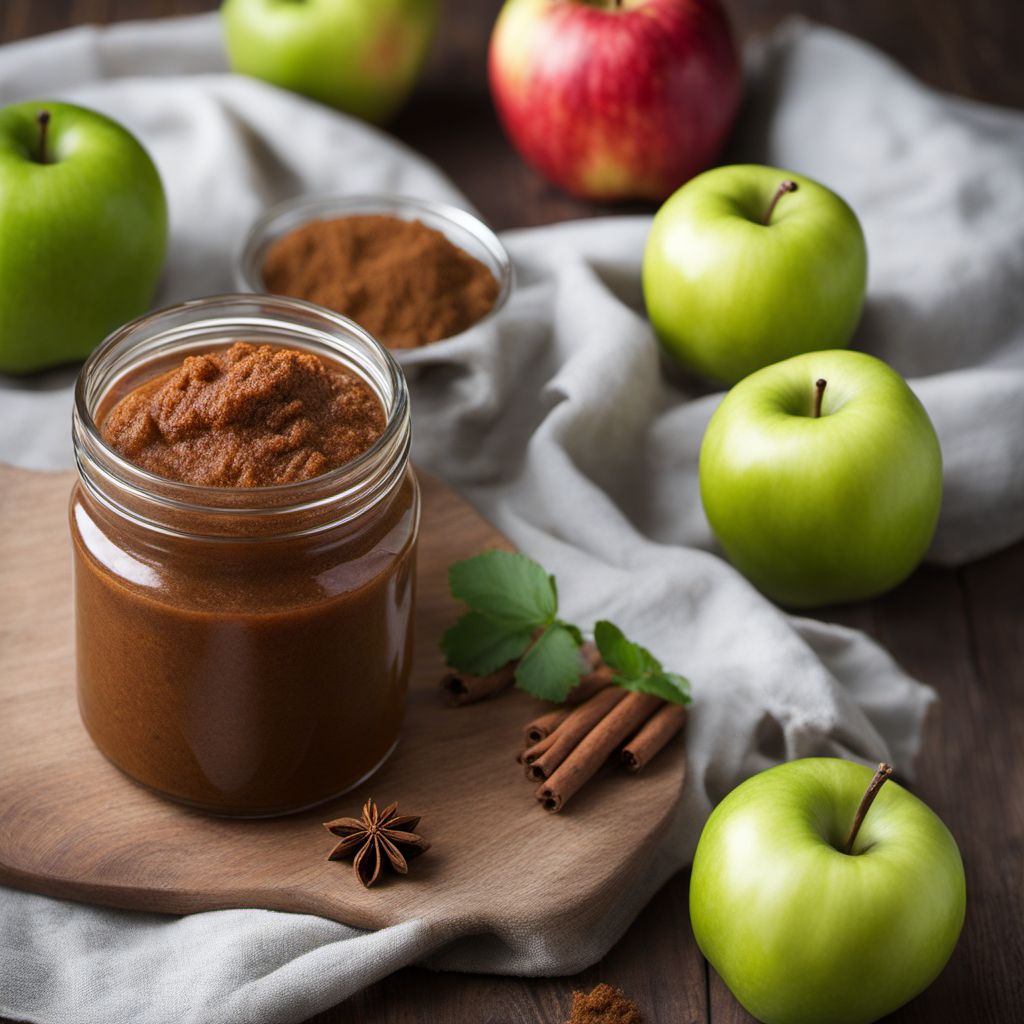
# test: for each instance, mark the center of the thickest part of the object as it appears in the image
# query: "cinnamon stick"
(593, 750)
(576, 725)
(544, 725)
(590, 654)
(668, 720)
(530, 754)
(590, 683)
(465, 688)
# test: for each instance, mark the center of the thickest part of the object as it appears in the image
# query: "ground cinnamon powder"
(246, 416)
(404, 282)
(604, 1005)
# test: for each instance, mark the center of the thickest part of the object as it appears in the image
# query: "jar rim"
(243, 312)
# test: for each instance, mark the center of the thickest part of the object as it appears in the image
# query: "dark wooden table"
(961, 631)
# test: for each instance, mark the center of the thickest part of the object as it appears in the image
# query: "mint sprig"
(552, 666)
(635, 668)
(508, 588)
(513, 613)
(478, 645)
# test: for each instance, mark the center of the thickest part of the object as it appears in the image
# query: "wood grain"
(962, 632)
(71, 825)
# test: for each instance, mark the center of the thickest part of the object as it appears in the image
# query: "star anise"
(375, 838)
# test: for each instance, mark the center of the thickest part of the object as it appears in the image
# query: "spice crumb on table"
(604, 1005)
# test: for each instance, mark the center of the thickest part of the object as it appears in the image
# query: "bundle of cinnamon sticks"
(566, 746)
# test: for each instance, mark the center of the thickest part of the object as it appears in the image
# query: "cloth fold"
(558, 420)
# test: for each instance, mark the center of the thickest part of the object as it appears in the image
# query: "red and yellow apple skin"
(800, 931)
(615, 100)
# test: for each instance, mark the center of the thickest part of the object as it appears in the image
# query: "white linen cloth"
(556, 419)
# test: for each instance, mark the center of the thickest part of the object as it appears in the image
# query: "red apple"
(615, 99)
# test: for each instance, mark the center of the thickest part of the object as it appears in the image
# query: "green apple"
(746, 265)
(821, 477)
(83, 232)
(359, 56)
(804, 932)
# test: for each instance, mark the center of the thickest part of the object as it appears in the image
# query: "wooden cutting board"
(72, 825)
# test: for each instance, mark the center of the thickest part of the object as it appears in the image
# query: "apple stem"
(819, 393)
(784, 187)
(43, 119)
(876, 783)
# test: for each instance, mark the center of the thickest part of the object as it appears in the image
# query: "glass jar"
(460, 227)
(243, 650)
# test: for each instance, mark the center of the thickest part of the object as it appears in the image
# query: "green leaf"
(636, 668)
(666, 685)
(618, 653)
(508, 588)
(478, 645)
(574, 631)
(552, 666)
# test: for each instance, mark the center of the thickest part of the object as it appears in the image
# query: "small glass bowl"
(461, 228)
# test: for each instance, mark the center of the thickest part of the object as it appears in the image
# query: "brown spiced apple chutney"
(244, 531)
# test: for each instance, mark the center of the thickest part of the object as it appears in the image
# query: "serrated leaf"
(551, 667)
(612, 644)
(621, 654)
(636, 668)
(506, 587)
(478, 645)
(666, 685)
(574, 631)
